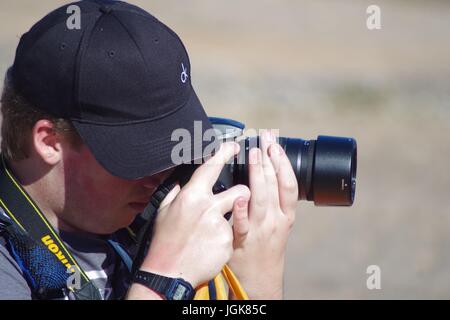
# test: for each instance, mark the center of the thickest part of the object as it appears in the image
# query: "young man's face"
(98, 202)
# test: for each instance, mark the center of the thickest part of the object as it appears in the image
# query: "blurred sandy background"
(312, 67)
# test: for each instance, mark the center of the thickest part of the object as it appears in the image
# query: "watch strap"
(154, 281)
(170, 288)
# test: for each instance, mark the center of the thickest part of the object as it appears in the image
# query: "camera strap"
(30, 221)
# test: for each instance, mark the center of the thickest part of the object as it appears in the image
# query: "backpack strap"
(45, 275)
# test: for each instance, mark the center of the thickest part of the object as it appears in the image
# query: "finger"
(225, 200)
(268, 139)
(240, 221)
(257, 182)
(287, 182)
(207, 174)
(170, 196)
(274, 156)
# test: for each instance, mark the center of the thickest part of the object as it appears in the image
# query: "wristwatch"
(170, 288)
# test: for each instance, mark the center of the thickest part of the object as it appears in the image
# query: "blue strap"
(122, 253)
(212, 290)
(21, 265)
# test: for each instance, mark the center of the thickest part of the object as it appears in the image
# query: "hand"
(261, 226)
(192, 239)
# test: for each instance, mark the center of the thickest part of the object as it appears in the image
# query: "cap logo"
(184, 75)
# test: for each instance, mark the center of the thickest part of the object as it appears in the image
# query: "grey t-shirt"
(93, 253)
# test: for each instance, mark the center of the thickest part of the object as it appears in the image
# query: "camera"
(325, 168)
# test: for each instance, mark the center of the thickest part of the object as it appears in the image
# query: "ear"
(46, 142)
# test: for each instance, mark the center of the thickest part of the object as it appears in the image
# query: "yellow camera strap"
(225, 277)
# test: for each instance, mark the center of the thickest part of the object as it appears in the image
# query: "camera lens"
(325, 168)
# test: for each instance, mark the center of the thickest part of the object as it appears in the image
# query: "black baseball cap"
(123, 79)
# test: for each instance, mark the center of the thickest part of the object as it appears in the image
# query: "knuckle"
(272, 229)
(243, 232)
(260, 201)
(270, 175)
(290, 186)
(267, 166)
(290, 220)
(190, 198)
(184, 199)
(217, 222)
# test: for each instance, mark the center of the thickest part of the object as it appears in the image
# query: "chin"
(128, 217)
(123, 219)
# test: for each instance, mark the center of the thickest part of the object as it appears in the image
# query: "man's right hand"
(192, 239)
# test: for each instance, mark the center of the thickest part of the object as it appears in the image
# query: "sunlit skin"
(74, 191)
(103, 202)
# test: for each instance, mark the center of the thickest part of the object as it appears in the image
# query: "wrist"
(155, 265)
(138, 291)
(168, 271)
(250, 276)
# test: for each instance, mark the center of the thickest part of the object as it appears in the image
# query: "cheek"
(94, 186)
(103, 191)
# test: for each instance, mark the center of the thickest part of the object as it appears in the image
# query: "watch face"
(179, 292)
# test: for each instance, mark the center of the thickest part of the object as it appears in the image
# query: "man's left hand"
(262, 225)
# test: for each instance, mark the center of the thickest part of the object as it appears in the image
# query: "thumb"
(240, 221)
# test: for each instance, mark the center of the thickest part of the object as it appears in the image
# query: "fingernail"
(274, 137)
(241, 203)
(253, 156)
(237, 147)
(268, 136)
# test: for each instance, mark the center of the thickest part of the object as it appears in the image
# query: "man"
(88, 116)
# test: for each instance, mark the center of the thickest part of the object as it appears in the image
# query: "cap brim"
(141, 149)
